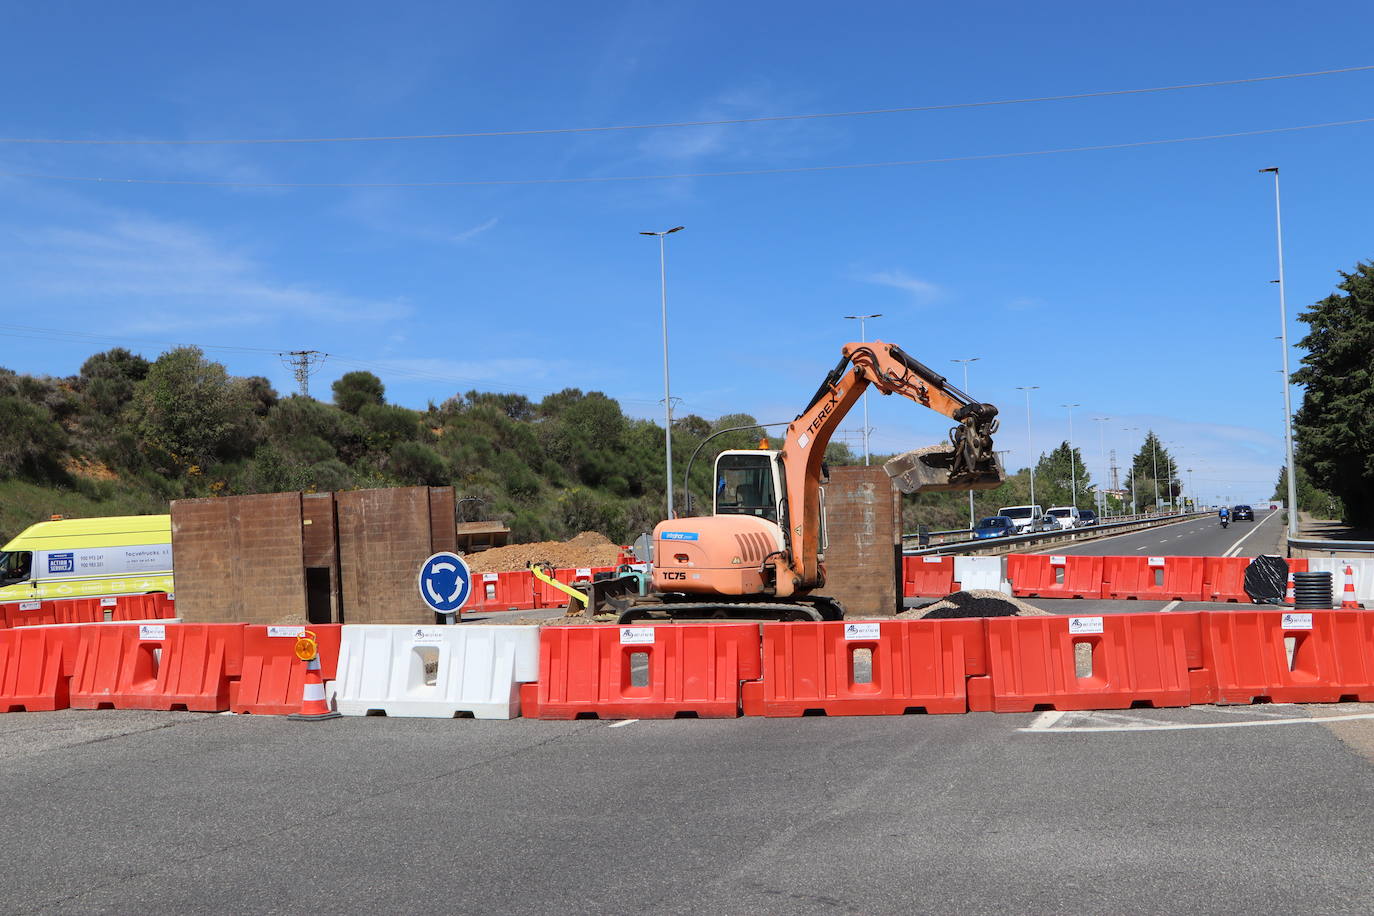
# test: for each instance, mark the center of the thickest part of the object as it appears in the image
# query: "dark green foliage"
(1310, 499)
(32, 443)
(355, 390)
(417, 464)
(189, 410)
(1055, 476)
(1335, 426)
(384, 426)
(1153, 468)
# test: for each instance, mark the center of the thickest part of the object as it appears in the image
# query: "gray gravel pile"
(977, 602)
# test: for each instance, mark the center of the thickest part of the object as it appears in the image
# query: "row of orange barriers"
(197, 667)
(1005, 664)
(1219, 579)
(519, 590)
(156, 606)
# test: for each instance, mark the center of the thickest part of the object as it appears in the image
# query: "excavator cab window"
(745, 486)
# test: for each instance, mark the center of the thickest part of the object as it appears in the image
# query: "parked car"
(1064, 516)
(1027, 518)
(994, 526)
(1242, 513)
(1087, 518)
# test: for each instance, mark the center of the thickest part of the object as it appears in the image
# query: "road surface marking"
(622, 722)
(1194, 726)
(1235, 548)
(1169, 607)
(1044, 720)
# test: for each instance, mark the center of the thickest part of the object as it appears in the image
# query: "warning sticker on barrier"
(1297, 621)
(30, 605)
(861, 631)
(286, 631)
(1085, 624)
(152, 631)
(1058, 561)
(932, 559)
(109, 602)
(491, 577)
(584, 573)
(427, 636)
(636, 635)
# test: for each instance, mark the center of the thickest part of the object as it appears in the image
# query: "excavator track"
(734, 610)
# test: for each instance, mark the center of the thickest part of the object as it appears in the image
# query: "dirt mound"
(587, 549)
(978, 602)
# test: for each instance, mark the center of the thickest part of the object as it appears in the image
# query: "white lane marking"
(1194, 726)
(1143, 547)
(1235, 548)
(1169, 607)
(1059, 548)
(1045, 720)
(622, 722)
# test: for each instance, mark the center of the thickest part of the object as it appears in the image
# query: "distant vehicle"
(1242, 514)
(1064, 516)
(1027, 518)
(1087, 518)
(994, 526)
(88, 558)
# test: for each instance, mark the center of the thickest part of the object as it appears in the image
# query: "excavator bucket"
(932, 469)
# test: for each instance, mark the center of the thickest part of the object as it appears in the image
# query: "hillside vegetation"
(127, 434)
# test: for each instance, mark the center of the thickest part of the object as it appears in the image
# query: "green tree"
(354, 390)
(32, 442)
(188, 409)
(1152, 469)
(1056, 475)
(1334, 427)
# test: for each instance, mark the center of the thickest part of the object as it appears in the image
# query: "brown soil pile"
(587, 549)
(977, 602)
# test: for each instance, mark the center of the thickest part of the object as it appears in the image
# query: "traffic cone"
(1348, 597)
(1291, 597)
(314, 706)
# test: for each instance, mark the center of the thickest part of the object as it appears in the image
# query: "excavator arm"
(968, 463)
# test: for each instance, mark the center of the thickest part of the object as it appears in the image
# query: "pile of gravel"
(977, 602)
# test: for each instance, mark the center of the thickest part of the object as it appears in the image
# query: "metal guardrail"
(1135, 523)
(1102, 520)
(1330, 547)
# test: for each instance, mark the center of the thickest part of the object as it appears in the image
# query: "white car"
(1065, 516)
(1028, 519)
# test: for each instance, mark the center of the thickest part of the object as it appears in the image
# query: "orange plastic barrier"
(1153, 578)
(157, 666)
(1290, 656)
(155, 606)
(503, 591)
(273, 678)
(1223, 579)
(927, 577)
(1041, 576)
(912, 666)
(35, 668)
(1135, 660)
(649, 672)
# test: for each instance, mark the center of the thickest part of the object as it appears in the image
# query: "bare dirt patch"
(587, 549)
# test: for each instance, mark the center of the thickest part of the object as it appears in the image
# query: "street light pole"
(863, 338)
(1073, 466)
(1030, 447)
(1287, 394)
(971, 359)
(1154, 465)
(667, 397)
(1135, 510)
(1102, 455)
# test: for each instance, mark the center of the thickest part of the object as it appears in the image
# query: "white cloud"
(922, 292)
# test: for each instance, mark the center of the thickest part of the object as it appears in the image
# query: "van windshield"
(15, 565)
(1017, 512)
(1059, 513)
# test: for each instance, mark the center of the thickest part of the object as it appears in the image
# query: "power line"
(734, 173)
(300, 363)
(716, 122)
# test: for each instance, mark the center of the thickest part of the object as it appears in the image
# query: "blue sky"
(1134, 282)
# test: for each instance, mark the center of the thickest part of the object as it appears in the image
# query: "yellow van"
(88, 558)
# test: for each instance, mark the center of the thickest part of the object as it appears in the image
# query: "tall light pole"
(1192, 491)
(1073, 466)
(1154, 465)
(971, 359)
(863, 338)
(667, 397)
(1102, 455)
(1029, 446)
(1135, 510)
(1287, 394)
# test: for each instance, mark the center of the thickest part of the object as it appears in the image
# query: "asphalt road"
(123, 812)
(1202, 537)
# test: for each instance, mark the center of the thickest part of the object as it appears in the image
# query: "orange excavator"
(760, 554)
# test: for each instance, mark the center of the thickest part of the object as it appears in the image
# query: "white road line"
(1169, 607)
(1044, 720)
(1193, 726)
(1235, 548)
(1143, 547)
(622, 722)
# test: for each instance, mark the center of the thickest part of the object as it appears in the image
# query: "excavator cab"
(748, 483)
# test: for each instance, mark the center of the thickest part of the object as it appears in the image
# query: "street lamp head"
(1070, 406)
(862, 317)
(1275, 170)
(680, 228)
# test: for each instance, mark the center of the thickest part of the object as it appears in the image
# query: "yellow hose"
(568, 589)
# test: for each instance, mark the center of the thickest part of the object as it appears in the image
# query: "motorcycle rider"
(1224, 515)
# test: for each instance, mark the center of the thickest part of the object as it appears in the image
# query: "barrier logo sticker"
(679, 536)
(294, 632)
(427, 636)
(1085, 624)
(1058, 561)
(861, 631)
(635, 636)
(1297, 621)
(931, 559)
(30, 605)
(109, 602)
(1156, 561)
(152, 631)
(491, 577)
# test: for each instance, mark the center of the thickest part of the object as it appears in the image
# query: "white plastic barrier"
(982, 572)
(1363, 570)
(434, 671)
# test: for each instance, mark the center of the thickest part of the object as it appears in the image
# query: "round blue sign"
(445, 582)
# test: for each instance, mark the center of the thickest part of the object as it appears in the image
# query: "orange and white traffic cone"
(1348, 599)
(1291, 597)
(314, 706)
